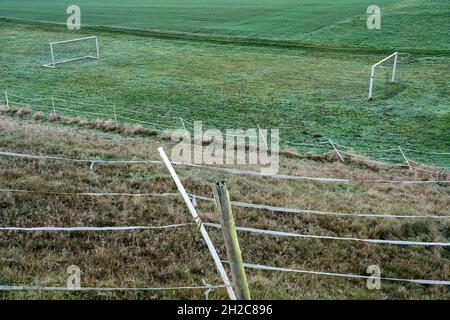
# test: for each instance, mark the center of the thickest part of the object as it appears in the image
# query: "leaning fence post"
(336, 149)
(184, 127)
(54, 109)
(197, 220)
(7, 101)
(115, 114)
(262, 136)
(223, 206)
(406, 159)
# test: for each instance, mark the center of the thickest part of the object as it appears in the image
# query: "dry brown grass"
(99, 124)
(180, 257)
(38, 116)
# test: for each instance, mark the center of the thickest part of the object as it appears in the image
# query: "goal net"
(383, 75)
(73, 50)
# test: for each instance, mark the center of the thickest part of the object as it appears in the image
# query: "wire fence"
(199, 223)
(240, 204)
(233, 171)
(345, 275)
(207, 287)
(162, 122)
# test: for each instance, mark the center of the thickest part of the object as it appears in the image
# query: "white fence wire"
(114, 112)
(311, 236)
(223, 169)
(238, 204)
(345, 275)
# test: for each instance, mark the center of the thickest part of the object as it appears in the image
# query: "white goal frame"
(372, 73)
(53, 63)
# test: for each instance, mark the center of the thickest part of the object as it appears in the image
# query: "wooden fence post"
(7, 100)
(336, 149)
(115, 115)
(223, 206)
(54, 109)
(199, 223)
(406, 159)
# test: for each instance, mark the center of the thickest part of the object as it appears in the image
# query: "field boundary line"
(73, 229)
(92, 194)
(227, 170)
(298, 235)
(346, 275)
(317, 212)
(161, 127)
(234, 203)
(45, 288)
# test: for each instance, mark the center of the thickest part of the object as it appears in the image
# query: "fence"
(191, 200)
(393, 156)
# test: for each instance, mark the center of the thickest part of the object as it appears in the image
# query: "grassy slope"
(304, 93)
(179, 257)
(407, 24)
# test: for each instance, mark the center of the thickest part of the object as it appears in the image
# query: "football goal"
(73, 50)
(389, 64)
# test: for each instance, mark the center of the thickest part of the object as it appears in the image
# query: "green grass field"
(406, 24)
(310, 95)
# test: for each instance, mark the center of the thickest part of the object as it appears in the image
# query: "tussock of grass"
(104, 125)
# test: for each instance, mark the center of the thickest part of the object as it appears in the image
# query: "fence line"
(201, 227)
(93, 194)
(325, 213)
(209, 288)
(109, 107)
(73, 229)
(298, 235)
(227, 170)
(160, 127)
(99, 161)
(352, 155)
(233, 203)
(417, 281)
(428, 152)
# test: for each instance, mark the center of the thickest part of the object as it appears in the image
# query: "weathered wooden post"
(223, 206)
(406, 159)
(54, 109)
(115, 114)
(7, 100)
(197, 220)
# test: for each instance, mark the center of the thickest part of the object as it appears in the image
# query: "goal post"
(393, 56)
(73, 50)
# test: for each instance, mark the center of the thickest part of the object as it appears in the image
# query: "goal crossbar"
(53, 63)
(372, 72)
